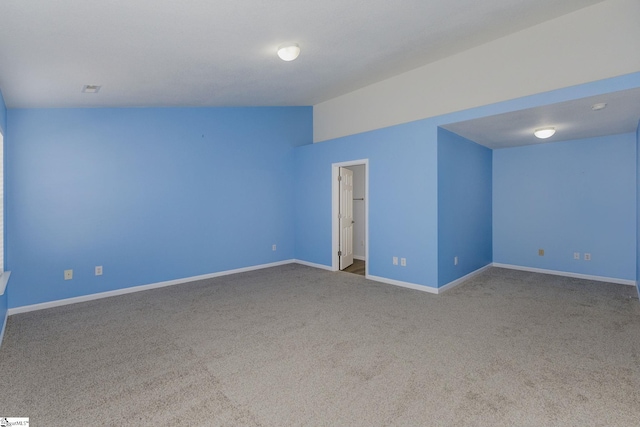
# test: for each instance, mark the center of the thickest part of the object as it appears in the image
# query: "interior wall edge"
(464, 278)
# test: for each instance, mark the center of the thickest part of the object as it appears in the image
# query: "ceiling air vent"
(91, 88)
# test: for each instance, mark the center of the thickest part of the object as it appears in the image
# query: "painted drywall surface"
(3, 115)
(402, 199)
(3, 127)
(149, 194)
(464, 206)
(638, 209)
(313, 188)
(358, 211)
(566, 197)
(504, 69)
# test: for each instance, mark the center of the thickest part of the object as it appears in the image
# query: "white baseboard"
(463, 279)
(361, 258)
(430, 289)
(423, 288)
(400, 283)
(313, 264)
(57, 303)
(566, 274)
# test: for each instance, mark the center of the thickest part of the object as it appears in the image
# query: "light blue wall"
(638, 209)
(159, 194)
(149, 194)
(403, 199)
(464, 206)
(402, 194)
(3, 129)
(3, 114)
(566, 197)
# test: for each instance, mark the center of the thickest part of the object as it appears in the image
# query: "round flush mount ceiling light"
(544, 133)
(599, 106)
(289, 51)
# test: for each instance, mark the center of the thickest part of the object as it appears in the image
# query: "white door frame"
(335, 223)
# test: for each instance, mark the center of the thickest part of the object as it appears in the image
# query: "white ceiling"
(572, 120)
(222, 53)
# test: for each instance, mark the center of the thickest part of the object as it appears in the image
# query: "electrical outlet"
(68, 274)
(403, 262)
(455, 260)
(98, 270)
(395, 260)
(587, 257)
(576, 255)
(541, 252)
(273, 248)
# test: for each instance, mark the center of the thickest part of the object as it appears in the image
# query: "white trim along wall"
(428, 289)
(57, 303)
(567, 274)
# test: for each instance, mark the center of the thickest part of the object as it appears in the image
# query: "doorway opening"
(350, 219)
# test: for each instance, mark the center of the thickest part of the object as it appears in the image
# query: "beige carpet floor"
(294, 345)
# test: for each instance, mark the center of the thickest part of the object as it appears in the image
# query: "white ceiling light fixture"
(544, 133)
(289, 51)
(599, 106)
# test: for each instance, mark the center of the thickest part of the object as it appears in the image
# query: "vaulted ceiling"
(223, 53)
